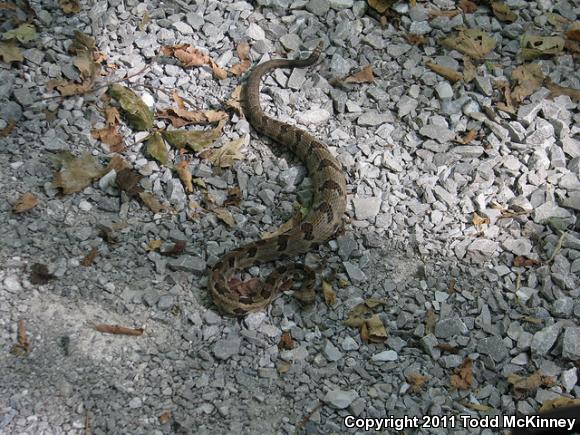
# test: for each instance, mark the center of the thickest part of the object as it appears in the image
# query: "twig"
(307, 417)
(558, 247)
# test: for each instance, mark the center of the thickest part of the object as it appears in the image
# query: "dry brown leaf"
(76, 172)
(414, 39)
(430, 321)
(110, 136)
(468, 7)
(128, 180)
(477, 407)
(364, 333)
(376, 329)
(117, 163)
(532, 320)
(473, 42)
(106, 233)
(365, 75)
(503, 12)
(187, 54)
(528, 79)
(70, 6)
(573, 33)
(450, 14)
(462, 379)
(328, 293)
(137, 114)
(225, 155)
(556, 90)
(26, 202)
(218, 72)
(479, 220)
(119, 330)
(22, 347)
(243, 50)
(177, 249)
(10, 52)
(534, 46)
(234, 101)
(381, 6)
(145, 19)
(521, 261)
(358, 315)
(283, 366)
(89, 258)
(469, 71)
(286, 342)
(443, 71)
(234, 197)
(154, 245)
(182, 169)
(8, 6)
(225, 216)
(180, 116)
(6, 131)
(417, 381)
(524, 386)
(560, 402)
(165, 417)
(468, 138)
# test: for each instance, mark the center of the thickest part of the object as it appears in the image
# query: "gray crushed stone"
(504, 294)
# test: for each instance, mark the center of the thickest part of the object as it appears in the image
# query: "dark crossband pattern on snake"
(321, 222)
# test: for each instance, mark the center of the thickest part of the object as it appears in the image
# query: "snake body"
(321, 222)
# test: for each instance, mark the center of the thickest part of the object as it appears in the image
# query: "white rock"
(339, 399)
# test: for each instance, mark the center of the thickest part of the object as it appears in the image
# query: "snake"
(321, 222)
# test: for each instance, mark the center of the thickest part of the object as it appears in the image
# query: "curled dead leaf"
(560, 402)
(26, 202)
(448, 73)
(462, 379)
(194, 140)
(22, 347)
(468, 137)
(328, 293)
(503, 12)
(76, 173)
(365, 75)
(534, 46)
(479, 220)
(225, 155)
(182, 169)
(528, 79)
(524, 386)
(134, 108)
(417, 382)
(472, 42)
(187, 54)
(467, 6)
(286, 342)
(225, 216)
(521, 261)
(154, 245)
(70, 6)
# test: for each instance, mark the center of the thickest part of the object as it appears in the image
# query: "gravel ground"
(501, 291)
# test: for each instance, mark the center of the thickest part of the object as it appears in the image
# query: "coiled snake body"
(321, 222)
